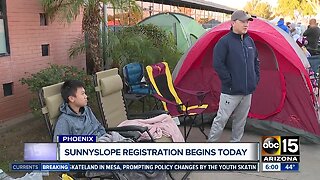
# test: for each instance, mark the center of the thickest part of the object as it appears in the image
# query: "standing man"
(312, 34)
(236, 62)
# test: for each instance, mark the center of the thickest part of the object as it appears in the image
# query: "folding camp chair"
(136, 88)
(133, 75)
(161, 80)
(108, 86)
(110, 97)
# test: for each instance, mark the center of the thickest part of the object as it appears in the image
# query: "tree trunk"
(91, 28)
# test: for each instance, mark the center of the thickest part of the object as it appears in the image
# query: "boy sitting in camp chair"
(77, 118)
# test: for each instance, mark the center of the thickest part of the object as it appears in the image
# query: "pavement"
(309, 162)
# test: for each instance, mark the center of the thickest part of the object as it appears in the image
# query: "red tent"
(284, 98)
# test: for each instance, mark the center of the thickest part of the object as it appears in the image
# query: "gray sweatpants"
(235, 108)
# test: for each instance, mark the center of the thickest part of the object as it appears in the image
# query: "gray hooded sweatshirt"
(70, 123)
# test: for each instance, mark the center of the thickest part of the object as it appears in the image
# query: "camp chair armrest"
(164, 99)
(200, 94)
(134, 135)
(125, 131)
(196, 93)
(179, 106)
(128, 128)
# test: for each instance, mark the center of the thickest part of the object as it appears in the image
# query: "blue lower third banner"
(148, 166)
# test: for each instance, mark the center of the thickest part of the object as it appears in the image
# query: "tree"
(308, 9)
(251, 5)
(288, 7)
(314, 4)
(69, 10)
(147, 44)
(258, 8)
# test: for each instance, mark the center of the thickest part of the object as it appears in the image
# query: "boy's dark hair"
(69, 88)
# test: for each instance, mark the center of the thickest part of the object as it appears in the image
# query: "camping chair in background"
(108, 86)
(136, 89)
(133, 75)
(161, 80)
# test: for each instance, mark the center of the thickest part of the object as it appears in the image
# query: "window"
(45, 49)
(43, 19)
(4, 38)
(7, 89)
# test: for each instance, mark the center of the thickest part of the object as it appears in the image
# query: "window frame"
(4, 86)
(43, 16)
(5, 25)
(43, 50)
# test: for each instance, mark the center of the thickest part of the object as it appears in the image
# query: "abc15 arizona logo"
(280, 145)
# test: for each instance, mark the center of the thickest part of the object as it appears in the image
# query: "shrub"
(52, 75)
(147, 44)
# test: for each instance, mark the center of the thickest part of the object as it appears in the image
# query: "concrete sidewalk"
(309, 162)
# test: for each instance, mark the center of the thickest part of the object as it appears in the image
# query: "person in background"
(281, 25)
(312, 34)
(235, 59)
(293, 32)
(303, 42)
(299, 28)
(288, 24)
